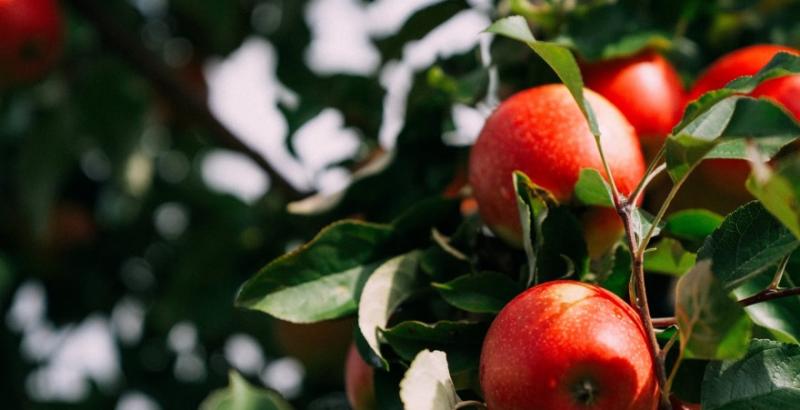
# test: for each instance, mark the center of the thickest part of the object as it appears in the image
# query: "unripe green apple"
(566, 345)
(31, 39)
(359, 384)
(542, 132)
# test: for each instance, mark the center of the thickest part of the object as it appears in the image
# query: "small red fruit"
(542, 133)
(728, 176)
(358, 381)
(742, 62)
(566, 345)
(645, 87)
(31, 37)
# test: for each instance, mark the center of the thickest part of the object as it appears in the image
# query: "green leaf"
(460, 340)
(592, 189)
(390, 284)
(712, 324)
(692, 225)
(618, 277)
(624, 31)
(749, 241)
(779, 192)
(781, 64)
(532, 203)
(564, 252)
(241, 395)
(729, 120)
(558, 57)
(642, 221)
(484, 292)
(779, 316)
(427, 384)
(322, 278)
(669, 257)
(444, 260)
(766, 378)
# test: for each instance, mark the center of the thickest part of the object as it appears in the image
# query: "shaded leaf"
(484, 292)
(460, 340)
(749, 241)
(766, 378)
(780, 316)
(730, 120)
(712, 324)
(779, 192)
(532, 205)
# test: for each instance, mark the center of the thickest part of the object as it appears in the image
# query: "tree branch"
(180, 96)
(767, 295)
(639, 300)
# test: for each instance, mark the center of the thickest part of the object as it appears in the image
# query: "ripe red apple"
(646, 88)
(728, 176)
(358, 381)
(566, 345)
(541, 132)
(31, 37)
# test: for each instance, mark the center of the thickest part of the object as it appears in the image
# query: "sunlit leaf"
(427, 384)
(390, 284)
(241, 395)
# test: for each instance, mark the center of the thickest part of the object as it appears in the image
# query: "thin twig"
(767, 295)
(776, 280)
(651, 169)
(636, 196)
(640, 303)
(664, 322)
(665, 351)
(171, 87)
(661, 212)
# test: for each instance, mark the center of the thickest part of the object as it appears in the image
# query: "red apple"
(541, 132)
(358, 381)
(728, 176)
(646, 88)
(31, 39)
(566, 345)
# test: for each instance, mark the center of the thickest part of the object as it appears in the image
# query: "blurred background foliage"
(125, 230)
